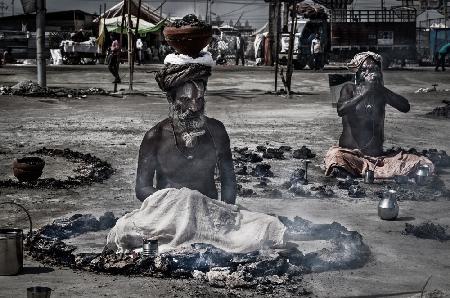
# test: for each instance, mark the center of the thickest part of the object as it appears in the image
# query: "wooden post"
(272, 30)
(136, 33)
(289, 70)
(40, 42)
(277, 42)
(130, 47)
(122, 24)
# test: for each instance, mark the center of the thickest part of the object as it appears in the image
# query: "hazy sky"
(255, 11)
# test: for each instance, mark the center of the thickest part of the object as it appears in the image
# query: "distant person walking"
(140, 51)
(440, 56)
(316, 51)
(239, 48)
(113, 60)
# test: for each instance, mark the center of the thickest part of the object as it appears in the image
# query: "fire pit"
(28, 169)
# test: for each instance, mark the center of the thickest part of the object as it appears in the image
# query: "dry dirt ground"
(112, 128)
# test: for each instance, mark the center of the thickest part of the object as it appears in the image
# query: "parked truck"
(390, 33)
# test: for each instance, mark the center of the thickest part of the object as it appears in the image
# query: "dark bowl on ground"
(188, 40)
(28, 169)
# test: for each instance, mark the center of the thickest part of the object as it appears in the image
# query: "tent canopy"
(114, 25)
(146, 13)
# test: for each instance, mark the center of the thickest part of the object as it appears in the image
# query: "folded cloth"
(389, 166)
(180, 217)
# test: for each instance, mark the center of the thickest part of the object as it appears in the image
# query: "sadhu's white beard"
(373, 79)
(191, 129)
(189, 137)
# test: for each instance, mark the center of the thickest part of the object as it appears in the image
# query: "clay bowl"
(28, 169)
(188, 40)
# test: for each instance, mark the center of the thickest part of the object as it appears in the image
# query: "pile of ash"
(427, 230)
(78, 224)
(303, 153)
(441, 112)
(433, 190)
(92, 170)
(439, 157)
(206, 262)
(30, 88)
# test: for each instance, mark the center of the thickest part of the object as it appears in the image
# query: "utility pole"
(100, 11)
(382, 4)
(40, 42)
(12, 7)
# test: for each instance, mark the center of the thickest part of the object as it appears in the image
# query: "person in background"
(113, 60)
(239, 48)
(440, 56)
(316, 51)
(140, 51)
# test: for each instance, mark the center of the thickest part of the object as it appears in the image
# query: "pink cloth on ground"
(354, 162)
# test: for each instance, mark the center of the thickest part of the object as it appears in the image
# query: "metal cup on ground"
(306, 163)
(388, 207)
(39, 292)
(422, 174)
(369, 176)
(11, 247)
(150, 247)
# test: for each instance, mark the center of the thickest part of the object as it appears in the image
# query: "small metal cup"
(150, 248)
(39, 292)
(369, 176)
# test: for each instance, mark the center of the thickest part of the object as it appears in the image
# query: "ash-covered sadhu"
(184, 149)
(182, 153)
(362, 107)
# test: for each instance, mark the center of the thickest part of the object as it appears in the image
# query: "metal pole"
(100, 11)
(130, 47)
(40, 42)
(12, 7)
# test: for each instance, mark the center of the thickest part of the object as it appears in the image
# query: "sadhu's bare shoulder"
(154, 133)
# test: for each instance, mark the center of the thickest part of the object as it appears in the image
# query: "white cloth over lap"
(179, 217)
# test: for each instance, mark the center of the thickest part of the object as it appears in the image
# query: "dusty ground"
(112, 128)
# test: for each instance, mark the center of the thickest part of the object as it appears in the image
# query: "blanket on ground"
(180, 217)
(389, 166)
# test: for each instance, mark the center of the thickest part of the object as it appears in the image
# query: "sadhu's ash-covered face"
(370, 72)
(188, 110)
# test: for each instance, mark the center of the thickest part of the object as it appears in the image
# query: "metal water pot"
(388, 206)
(422, 174)
(11, 247)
